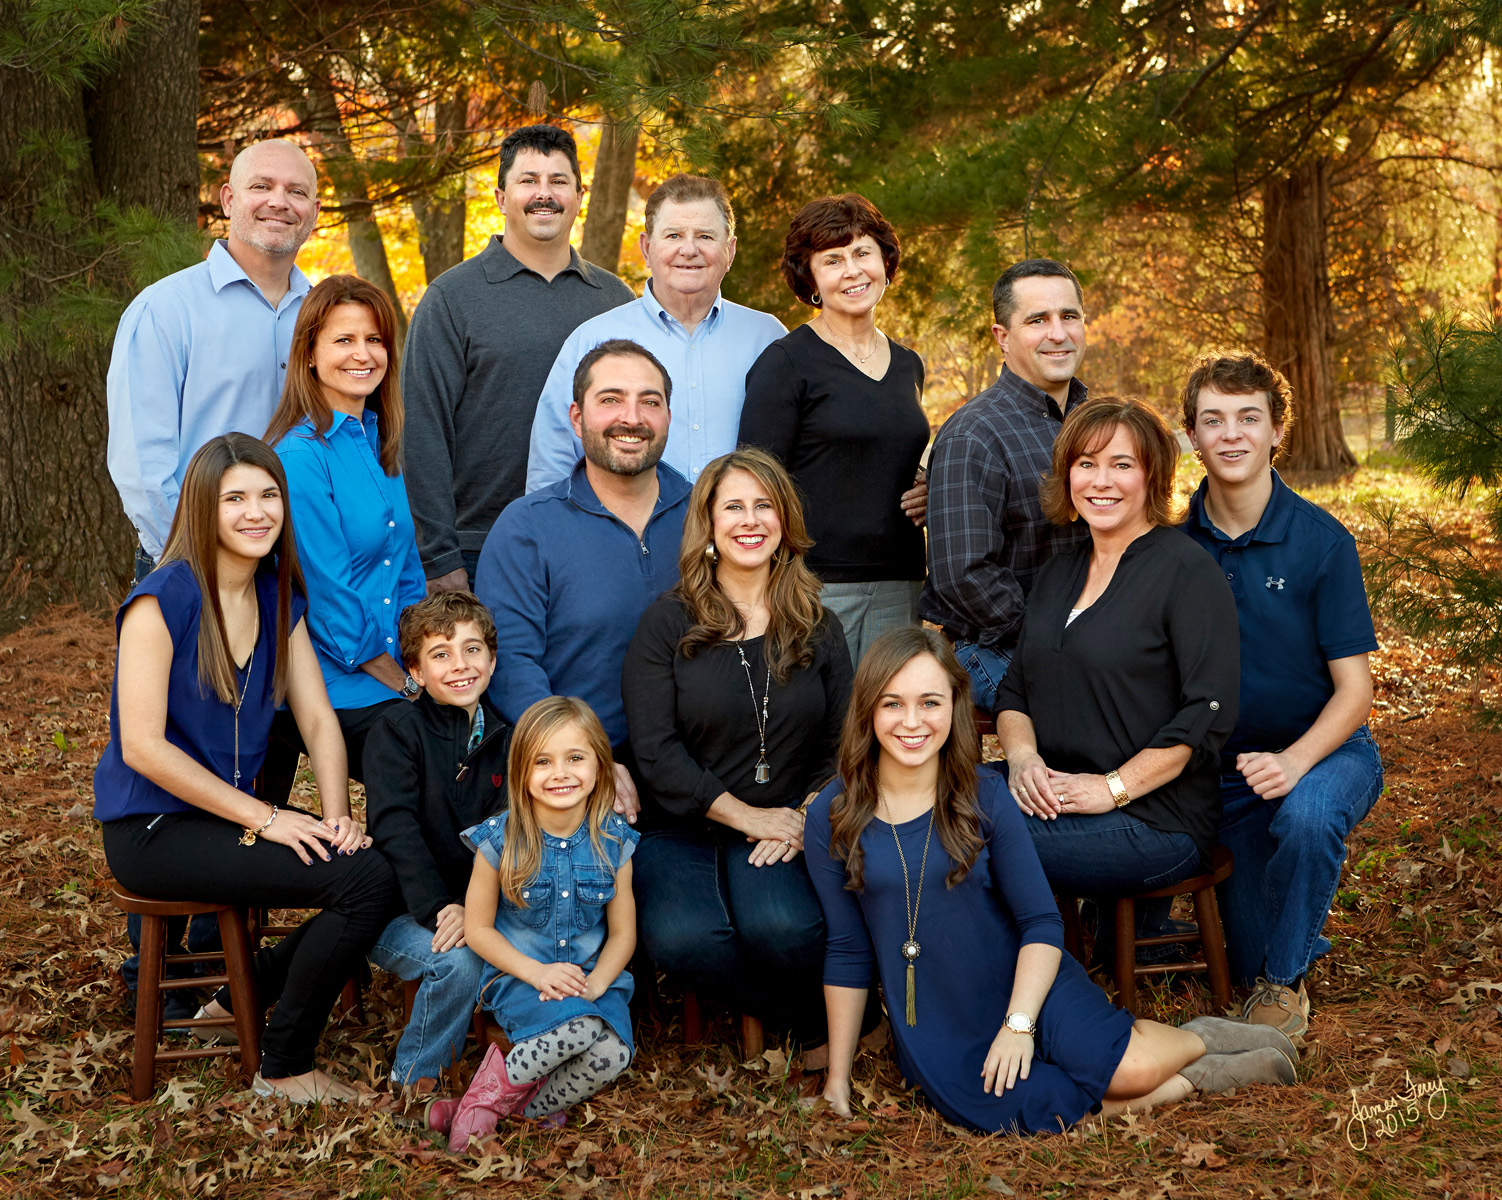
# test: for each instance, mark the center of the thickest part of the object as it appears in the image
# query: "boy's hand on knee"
(450, 928)
(558, 981)
(1269, 775)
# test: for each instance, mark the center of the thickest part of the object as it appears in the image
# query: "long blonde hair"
(194, 538)
(792, 592)
(521, 856)
(302, 395)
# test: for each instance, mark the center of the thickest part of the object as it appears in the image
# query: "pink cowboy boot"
(490, 1097)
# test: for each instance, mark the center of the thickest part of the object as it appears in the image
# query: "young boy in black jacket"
(433, 768)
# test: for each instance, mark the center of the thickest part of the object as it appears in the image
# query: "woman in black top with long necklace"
(1127, 671)
(735, 688)
(842, 406)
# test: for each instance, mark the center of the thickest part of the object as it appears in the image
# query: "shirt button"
(284, 366)
(1230, 574)
(694, 385)
(388, 642)
(564, 895)
(562, 942)
(696, 427)
(390, 524)
(526, 895)
(1215, 706)
(563, 845)
(388, 562)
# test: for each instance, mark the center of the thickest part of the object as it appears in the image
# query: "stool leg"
(1126, 954)
(753, 1041)
(148, 1007)
(244, 997)
(1213, 942)
(1074, 938)
(693, 1020)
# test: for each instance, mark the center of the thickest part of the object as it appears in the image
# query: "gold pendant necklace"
(910, 948)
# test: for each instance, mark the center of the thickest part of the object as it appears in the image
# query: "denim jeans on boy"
(749, 938)
(986, 668)
(1288, 854)
(445, 1003)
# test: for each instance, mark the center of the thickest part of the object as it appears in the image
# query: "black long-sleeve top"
(693, 724)
(852, 445)
(423, 786)
(1154, 662)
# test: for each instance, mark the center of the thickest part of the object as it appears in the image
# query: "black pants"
(279, 771)
(198, 856)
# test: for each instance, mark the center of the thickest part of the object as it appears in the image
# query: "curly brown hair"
(792, 592)
(834, 221)
(1240, 375)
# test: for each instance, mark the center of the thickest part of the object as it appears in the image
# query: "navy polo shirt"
(1300, 602)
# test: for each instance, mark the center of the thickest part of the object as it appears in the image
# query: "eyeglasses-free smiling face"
(455, 670)
(540, 198)
(1109, 487)
(689, 249)
(563, 774)
(349, 357)
(914, 712)
(747, 529)
(1235, 435)
(251, 511)
(1045, 339)
(850, 279)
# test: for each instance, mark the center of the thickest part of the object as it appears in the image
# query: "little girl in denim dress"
(550, 909)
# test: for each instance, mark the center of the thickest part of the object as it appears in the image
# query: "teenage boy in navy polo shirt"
(1301, 770)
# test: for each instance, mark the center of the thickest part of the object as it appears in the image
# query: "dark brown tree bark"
(609, 195)
(62, 532)
(1298, 325)
(366, 245)
(440, 217)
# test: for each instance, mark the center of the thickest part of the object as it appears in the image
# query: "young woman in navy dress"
(926, 873)
(209, 643)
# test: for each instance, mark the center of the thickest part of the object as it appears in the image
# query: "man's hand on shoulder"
(627, 803)
(455, 581)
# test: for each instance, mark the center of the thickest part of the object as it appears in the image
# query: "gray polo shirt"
(478, 352)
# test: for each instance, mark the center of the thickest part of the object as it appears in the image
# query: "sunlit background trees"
(1307, 178)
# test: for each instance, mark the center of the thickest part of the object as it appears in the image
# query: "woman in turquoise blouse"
(338, 431)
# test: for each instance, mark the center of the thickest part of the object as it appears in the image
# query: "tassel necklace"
(249, 667)
(910, 948)
(763, 772)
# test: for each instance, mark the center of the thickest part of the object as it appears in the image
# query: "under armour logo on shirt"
(1274, 583)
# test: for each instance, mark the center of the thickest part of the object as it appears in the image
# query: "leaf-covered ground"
(1410, 999)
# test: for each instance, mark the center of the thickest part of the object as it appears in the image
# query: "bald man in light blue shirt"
(204, 351)
(707, 343)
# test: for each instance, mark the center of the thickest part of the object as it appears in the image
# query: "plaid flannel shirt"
(987, 536)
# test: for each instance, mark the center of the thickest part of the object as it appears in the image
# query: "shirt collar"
(1272, 526)
(659, 313)
(671, 488)
(1010, 384)
(500, 264)
(224, 270)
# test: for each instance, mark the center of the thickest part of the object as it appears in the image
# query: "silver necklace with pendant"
(763, 772)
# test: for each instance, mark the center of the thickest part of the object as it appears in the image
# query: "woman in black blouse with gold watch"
(735, 686)
(1126, 676)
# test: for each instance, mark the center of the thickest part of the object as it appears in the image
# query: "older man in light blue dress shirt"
(204, 351)
(707, 343)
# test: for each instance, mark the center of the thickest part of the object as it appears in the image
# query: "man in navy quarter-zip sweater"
(568, 570)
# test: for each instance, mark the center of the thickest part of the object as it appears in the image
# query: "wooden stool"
(1209, 934)
(478, 1024)
(753, 1039)
(152, 982)
(985, 723)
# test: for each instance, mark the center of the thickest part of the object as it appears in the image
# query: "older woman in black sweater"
(735, 688)
(841, 405)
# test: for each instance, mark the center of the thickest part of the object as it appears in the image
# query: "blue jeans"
(986, 668)
(750, 938)
(445, 1003)
(868, 610)
(1289, 853)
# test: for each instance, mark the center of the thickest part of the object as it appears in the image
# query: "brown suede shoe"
(1223, 1072)
(1280, 1006)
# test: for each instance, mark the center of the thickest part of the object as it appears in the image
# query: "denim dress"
(564, 921)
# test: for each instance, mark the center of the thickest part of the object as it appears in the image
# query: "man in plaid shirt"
(987, 536)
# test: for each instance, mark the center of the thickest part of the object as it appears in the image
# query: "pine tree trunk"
(609, 195)
(366, 245)
(62, 532)
(1298, 326)
(441, 216)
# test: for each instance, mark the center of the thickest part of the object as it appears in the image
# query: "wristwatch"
(1020, 1022)
(410, 687)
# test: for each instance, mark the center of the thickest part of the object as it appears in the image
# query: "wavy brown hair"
(1239, 375)
(194, 538)
(1088, 429)
(792, 591)
(956, 810)
(521, 856)
(302, 396)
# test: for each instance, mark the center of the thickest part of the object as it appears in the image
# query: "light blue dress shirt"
(197, 354)
(708, 370)
(358, 550)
